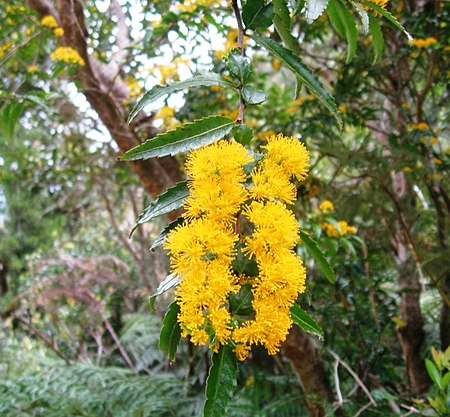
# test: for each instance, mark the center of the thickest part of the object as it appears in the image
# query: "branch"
(354, 375)
(47, 341)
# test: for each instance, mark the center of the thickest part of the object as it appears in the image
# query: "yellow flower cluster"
(191, 5)
(166, 114)
(67, 54)
(134, 86)
(419, 126)
(5, 48)
(424, 43)
(49, 22)
(169, 72)
(344, 229)
(326, 206)
(230, 43)
(203, 249)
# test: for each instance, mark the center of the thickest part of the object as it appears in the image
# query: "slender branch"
(47, 341)
(337, 383)
(354, 375)
(114, 336)
(241, 31)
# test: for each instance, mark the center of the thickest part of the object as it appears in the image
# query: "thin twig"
(337, 383)
(355, 376)
(47, 341)
(114, 336)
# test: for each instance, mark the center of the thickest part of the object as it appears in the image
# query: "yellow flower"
(68, 55)
(407, 169)
(326, 206)
(288, 153)
(49, 22)
(434, 140)
(437, 161)
(58, 32)
(216, 180)
(32, 68)
(134, 86)
(424, 43)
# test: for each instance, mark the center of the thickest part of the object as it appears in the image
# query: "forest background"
(77, 337)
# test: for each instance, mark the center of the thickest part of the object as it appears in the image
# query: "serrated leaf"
(184, 138)
(302, 319)
(170, 331)
(349, 28)
(434, 373)
(318, 256)
(256, 15)
(164, 233)
(335, 20)
(202, 80)
(221, 382)
(252, 95)
(363, 15)
(243, 134)
(169, 282)
(314, 9)
(172, 199)
(377, 38)
(239, 66)
(389, 17)
(302, 72)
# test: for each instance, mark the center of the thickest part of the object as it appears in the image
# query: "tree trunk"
(304, 357)
(107, 92)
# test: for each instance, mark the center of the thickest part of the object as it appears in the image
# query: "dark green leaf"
(241, 303)
(302, 72)
(350, 29)
(252, 95)
(282, 22)
(388, 16)
(318, 256)
(315, 8)
(162, 236)
(239, 66)
(184, 138)
(201, 80)
(434, 373)
(377, 38)
(170, 332)
(302, 319)
(243, 134)
(172, 199)
(221, 382)
(169, 282)
(256, 15)
(335, 20)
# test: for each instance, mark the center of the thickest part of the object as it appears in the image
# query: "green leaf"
(302, 319)
(314, 9)
(377, 38)
(10, 115)
(221, 382)
(283, 25)
(256, 15)
(239, 66)
(243, 134)
(335, 20)
(434, 373)
(201, 80)
(318, 256)
(170, 332)
(172, 199)
(169, 282)
(252, 95)
(388, 16)
(241, 302)
(164, 233)
(350, 29)
(184, 138)
(302, 72)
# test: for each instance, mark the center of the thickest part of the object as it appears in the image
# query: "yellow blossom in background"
(167, 115)
(67, 54)
(407, 169)
(169, 72)
(134, 86)
(58, 32)
(326, 206)
(424, 43)
(437, 161)
(344, 229)
(49, 22)
(342, 108)
(32, 68)
(230, 43)
(419, 126)
(434, 140)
